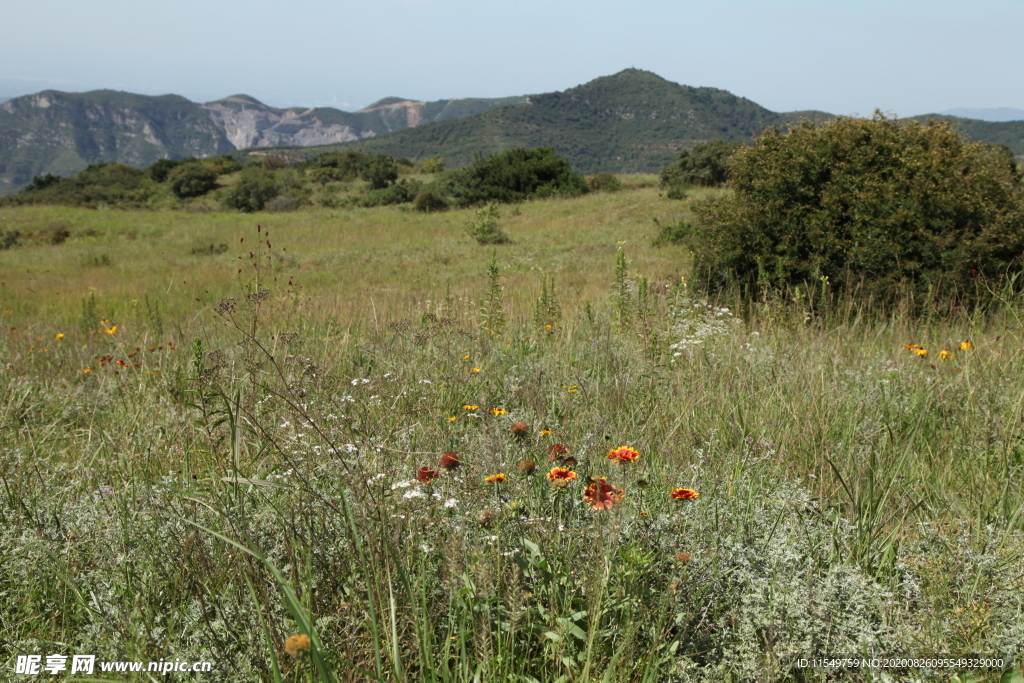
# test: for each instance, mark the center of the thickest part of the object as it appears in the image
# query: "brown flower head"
(527, 465)
(486, 516)
(570, 461)
(683, 558)
(426, 475)
(449, 461)
(519, 429)
(602, 495)
(297, 644)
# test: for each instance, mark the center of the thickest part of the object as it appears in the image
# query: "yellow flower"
(452, 418)
(476, 369)
(944, 354)
(469, 407)
(297, 644)
(465, 358)
(499, 411)
(921, 352)
(965, 345)
(112, 330)
(59, 335)
(495, 478)
(911, 347)
(545, 432)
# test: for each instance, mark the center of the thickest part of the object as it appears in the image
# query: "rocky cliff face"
(248, 123)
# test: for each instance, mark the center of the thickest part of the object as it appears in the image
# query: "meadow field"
(353, 444)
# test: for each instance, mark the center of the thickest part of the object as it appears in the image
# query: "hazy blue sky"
(903, 56)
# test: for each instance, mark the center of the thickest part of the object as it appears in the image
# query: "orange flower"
(683, 494)
(966, 345)
(911, 347)
(495, 478)
(545, 432)
(921, 352)
(623, 454)
(602, 495)
(449, 461)
(426, 475)
(560, 477)
(944, 354)
(519, 429)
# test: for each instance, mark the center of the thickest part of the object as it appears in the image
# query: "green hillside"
(633, 121)
(1009, 133)
(62, 133)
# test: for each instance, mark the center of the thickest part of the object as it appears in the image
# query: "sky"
(905, 57)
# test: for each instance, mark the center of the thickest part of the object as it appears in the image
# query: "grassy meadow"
(334, 448)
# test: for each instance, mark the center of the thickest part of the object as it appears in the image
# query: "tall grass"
(258, 480)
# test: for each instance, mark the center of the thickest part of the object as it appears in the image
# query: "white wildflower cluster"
(701, 322)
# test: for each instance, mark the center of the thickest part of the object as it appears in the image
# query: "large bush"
(514, 176)
(890, 205)
(703, 165)
(191, 180)
(253, 189)
(379, 171)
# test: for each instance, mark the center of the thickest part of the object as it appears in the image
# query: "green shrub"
(672, 233)
(379, 171)
(96, 185)
(604, 182)
(399, 193)
(485, 228)
(191, 180)
(878, 202)
(704, 165)
(223, 164)
(163, 167)
(429, 202)
(432, 165)
(514, 176)
(253, 189)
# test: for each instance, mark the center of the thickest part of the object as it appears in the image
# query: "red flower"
(426, 475)
(623, 454)
(556, 451)
(449, 461)
(560, 477)
(602, 495)
(683, 494)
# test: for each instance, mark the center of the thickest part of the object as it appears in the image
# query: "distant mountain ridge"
(632, 121)
(62, 133)
(996, 114)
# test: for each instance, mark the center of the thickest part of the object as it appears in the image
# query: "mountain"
(62, 133)
(1008, 133)
(633, 121)
(997, 114)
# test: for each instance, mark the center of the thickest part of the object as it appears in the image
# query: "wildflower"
(921, 352)
(297, 644)
(519, 429)
(495, 478)
(966, 345)
(498, 411)
(545, 432)
(476, 369)
(560, 477)
(449, 461)
(911, 347)
(486, 517)
(623, 454)
(527, 465)
(86, 371)
(556, 451)
(944, 354)
(59, 335)
(466, 357)
(602, 495)
(469, 407)
(452, 418)
(570, 461)
(683, 558)
(426, 475)
(112, 330)
(683, 494)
